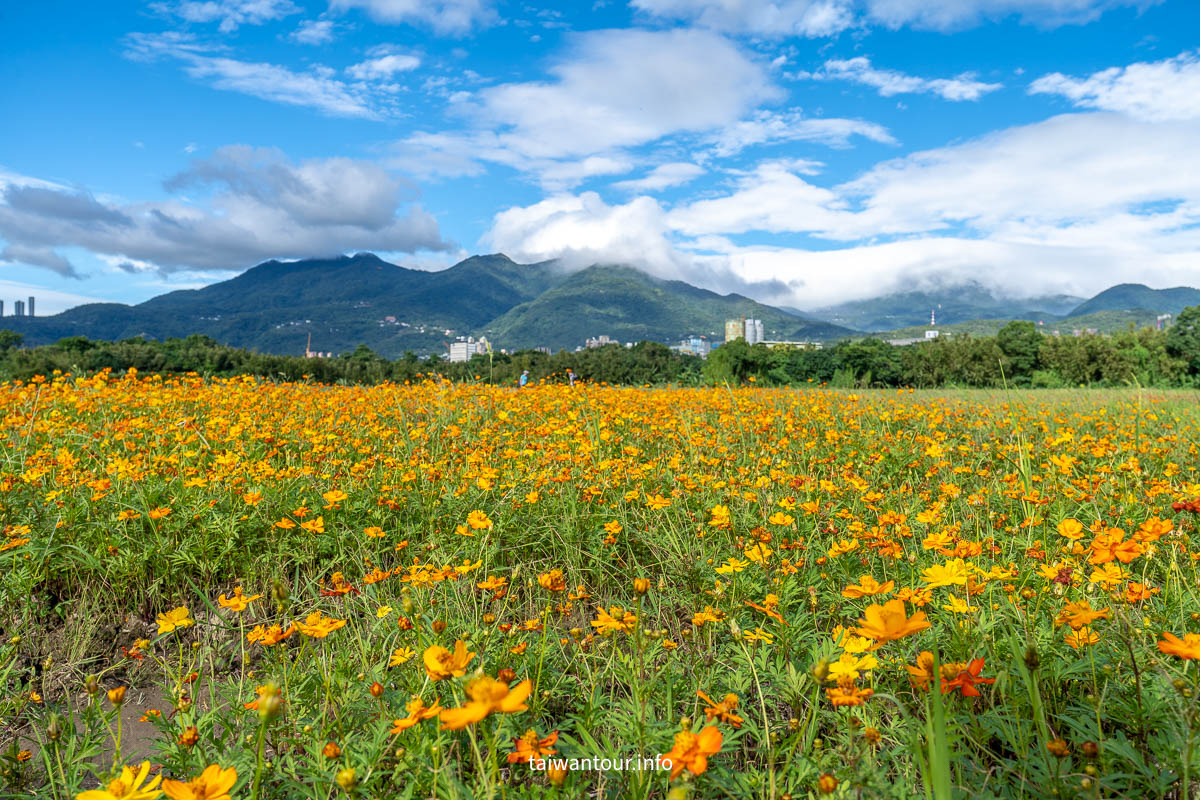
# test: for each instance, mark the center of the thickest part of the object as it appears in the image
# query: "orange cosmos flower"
(417, 712)
(1187, 648)
(486, 696)
(691, 751)
(318, 626)
(552, 581)
(867, 587)
(922, 673)
(212, 784)
(1079, 615)
(440, 663)
(477, 520)
(723, 710)
(530, 747)
(887, 622)
(615, 619)
(967, 679)
(174, 620)
(847, 694)
(238, 602)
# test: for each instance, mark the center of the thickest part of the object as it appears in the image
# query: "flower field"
(237, 588)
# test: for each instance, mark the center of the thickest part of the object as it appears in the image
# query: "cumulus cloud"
(313, 31)
(1156, 91)
(613, 90)
(819, 18)
(318, 88)
(1070, 204)
(891, 82)
(258, 206)
(229, 13)
(383, 66)
(444, 16)
(663, 176)
(947, 15)
(768, 17)
(770, 127)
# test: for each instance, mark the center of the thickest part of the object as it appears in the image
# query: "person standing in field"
(524, 378)
(570, 378)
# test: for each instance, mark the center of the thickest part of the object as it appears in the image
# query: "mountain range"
(346, 301)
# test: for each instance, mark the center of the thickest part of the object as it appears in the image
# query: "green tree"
(1020, 342)
(1183, 338)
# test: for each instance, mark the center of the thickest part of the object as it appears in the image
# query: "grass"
(879, 594)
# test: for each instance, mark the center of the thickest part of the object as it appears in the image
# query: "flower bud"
(347, 779)
(91, 685)
(506, 675)
(641, 586)
(827, 784)
(439, 626)
(376, 690)
(116, 696)
(331, 750)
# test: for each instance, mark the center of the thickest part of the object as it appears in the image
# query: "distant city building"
(754, 331)
(599, 341)
(749, 329)
(931, 334)
(1, 308)
(545, 350)
(31, 305)
(1160, 322)
(784, 345)
(695, 346)
(18, 309)
(462, 349)
(735, 329)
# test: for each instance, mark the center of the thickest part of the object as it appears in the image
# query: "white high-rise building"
(754, 331)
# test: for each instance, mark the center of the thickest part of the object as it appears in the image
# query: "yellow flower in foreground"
(400, 656)
(440, 663)
(953, 573)
(479, 521)
(780, 518)
(657, 502)
(758, 635)
(732, 565)
(382, 612)
(890, 621)
(758, 553)
(487, 695)
(127, 787)
(867, 587)
(212, 784)
(318, 626)
(237, 602)
(174, 619)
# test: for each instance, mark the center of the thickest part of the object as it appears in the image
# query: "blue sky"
(804, 152)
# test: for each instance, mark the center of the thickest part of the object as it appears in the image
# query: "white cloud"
(444, 16)
(1072, 204)
(663, 176)
(383, 67)
(258, 206)
(769, 17)
(230, 13)
(313, 31)
(1161, 90)
(818, 18)
(615, 89)
(769, 127)
(317, 89)
(890, 82)
(945, 15)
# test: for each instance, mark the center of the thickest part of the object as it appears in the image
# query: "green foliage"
(1020, 342)
(1183, 338)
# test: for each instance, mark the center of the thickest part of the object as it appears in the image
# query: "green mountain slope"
(953, 305)
(342, 302)
(629, 305)
(1125, 296)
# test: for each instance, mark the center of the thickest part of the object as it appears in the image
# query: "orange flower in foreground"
(238, 601)
(722, 710)
(487, 695)
(890, 621)
(966, 680)
(529, 747)
(212, 784)
(1187, 648)
(318, 626)
(417, 712)
(440, 663)
(691, 751)
(847, 694)
(867, 587)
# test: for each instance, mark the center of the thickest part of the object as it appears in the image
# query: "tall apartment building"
(735, 329)
(18, 309)
(30, 310)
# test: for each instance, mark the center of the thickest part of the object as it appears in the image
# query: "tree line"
(1019, 355)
